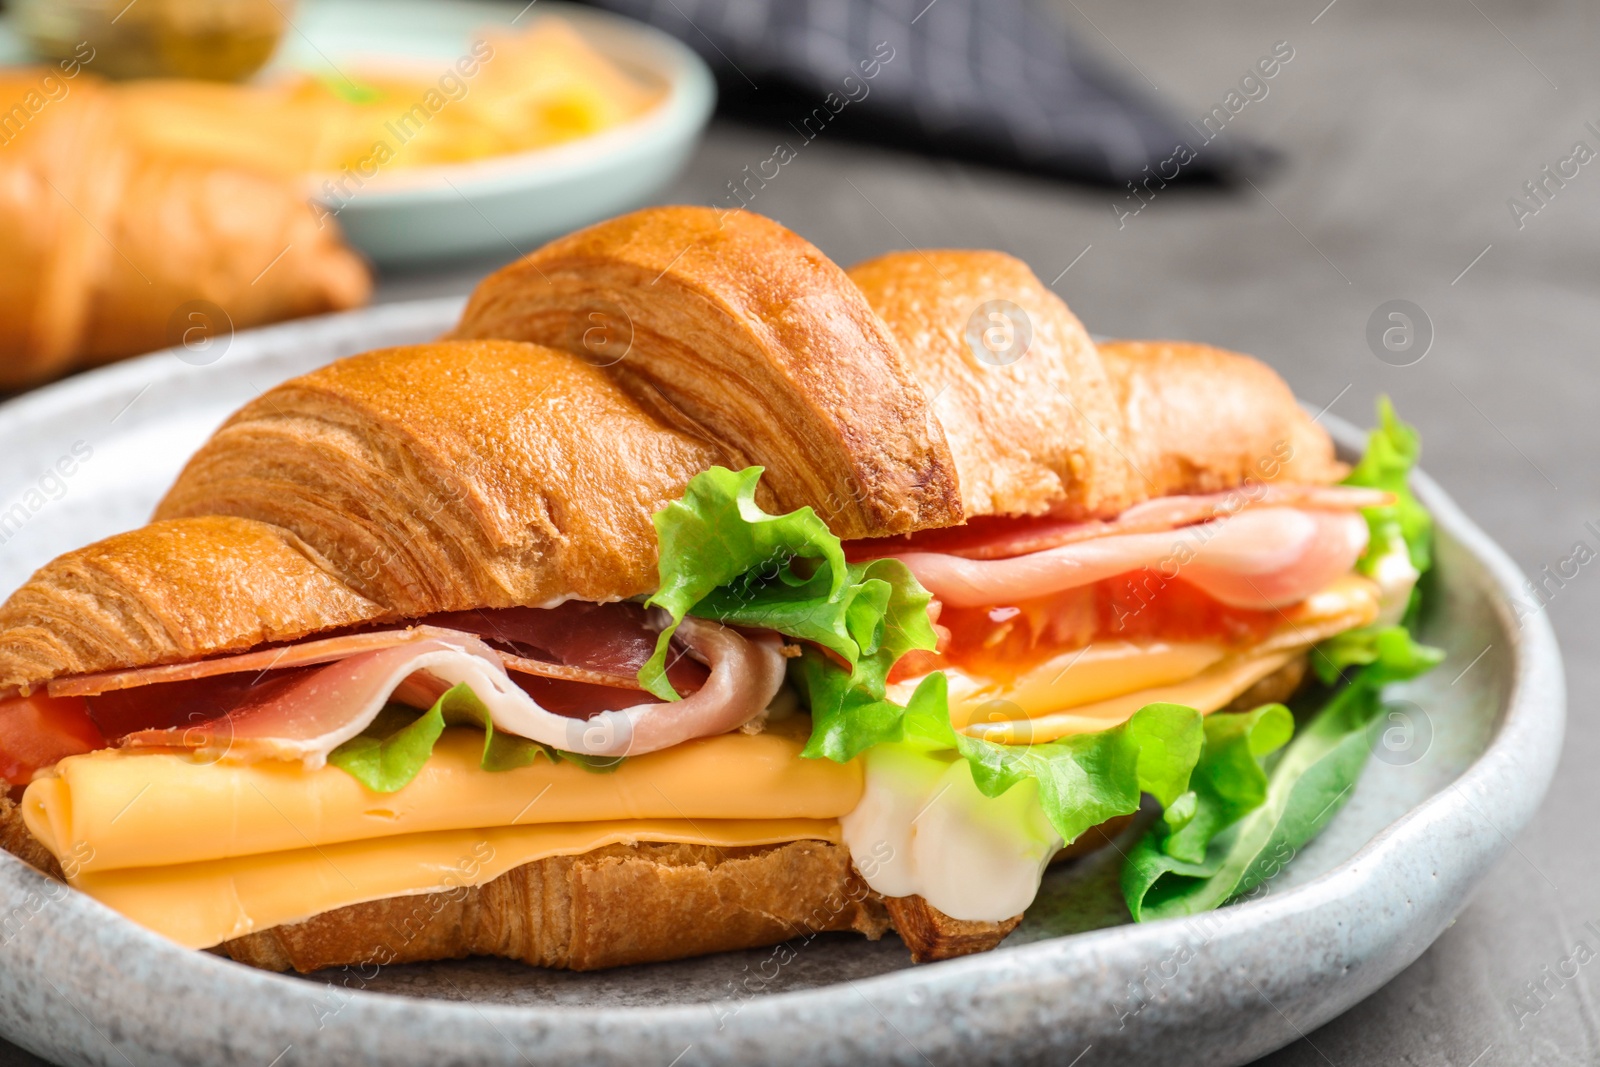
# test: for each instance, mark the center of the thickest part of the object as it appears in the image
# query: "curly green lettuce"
(1250, 819)
(723, 558)
(1393, 448)
(390, 753)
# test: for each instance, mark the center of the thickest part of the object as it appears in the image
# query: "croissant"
(607, 908)
(518, 464)
(755, 338)
(1056, 426)
(104, 248)
(399, 483)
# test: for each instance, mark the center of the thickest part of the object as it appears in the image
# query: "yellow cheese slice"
(1096, 687)
(203, 904)
(1211, 689)
(117, 808)
(1083, 676)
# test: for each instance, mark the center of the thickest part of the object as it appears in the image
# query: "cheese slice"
(1210, 690)
(203, 904)
(115, 809)
(1096, 687)
(1072, 679)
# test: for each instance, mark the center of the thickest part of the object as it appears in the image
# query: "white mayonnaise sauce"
(1395, 577)
(971, 856)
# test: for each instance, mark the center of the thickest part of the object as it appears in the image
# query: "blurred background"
(1374, 197)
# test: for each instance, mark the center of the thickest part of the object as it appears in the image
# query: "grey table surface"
(1407, 128)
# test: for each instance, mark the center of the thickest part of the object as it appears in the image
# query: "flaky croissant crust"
(1020, 389)
(389, 485)
(756, 338)
(454, 475)
(1052, 423)
(489, 473)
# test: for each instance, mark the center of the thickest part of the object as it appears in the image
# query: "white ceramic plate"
(79, 984)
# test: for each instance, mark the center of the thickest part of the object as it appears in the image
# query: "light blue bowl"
(508, 204)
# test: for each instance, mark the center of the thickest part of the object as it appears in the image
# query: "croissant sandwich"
(695, 594)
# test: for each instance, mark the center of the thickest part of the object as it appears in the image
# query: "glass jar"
(219, 40)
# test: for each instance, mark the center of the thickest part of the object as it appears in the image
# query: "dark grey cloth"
(987, 80)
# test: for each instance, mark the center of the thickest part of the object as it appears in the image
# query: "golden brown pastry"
(1036, 418)
(101, 244)
(931, 935)
(454, 475)
(1020, 390)
(755, 337)
(168, 592)
(1041, 420)
(614, 906)
(1201, 419)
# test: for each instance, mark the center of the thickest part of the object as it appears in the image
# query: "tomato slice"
(38, 730)
(1005, 641)
(190, 702)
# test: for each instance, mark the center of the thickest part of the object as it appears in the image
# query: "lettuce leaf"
(717, 535)
(725, 559)
(1084, 779)
(1230, 779)
(389, 753)
(1182, 873)
(1392, 451)
(1390, 648)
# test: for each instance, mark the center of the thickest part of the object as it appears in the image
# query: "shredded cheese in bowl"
(506, 93)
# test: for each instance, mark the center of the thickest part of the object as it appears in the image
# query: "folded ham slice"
(315, 651)
(317, 710)
(1263, 558)
(989, 537)
(283, 657)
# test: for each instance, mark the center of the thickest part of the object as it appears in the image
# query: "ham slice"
(604, 640)
(990, 537)
(315, 711)
(613, 672)
(306, 653)
(1260, 558)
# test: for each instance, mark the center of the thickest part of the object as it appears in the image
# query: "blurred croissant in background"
(106, 244)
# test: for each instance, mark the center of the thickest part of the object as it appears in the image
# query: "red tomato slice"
(38, 730)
